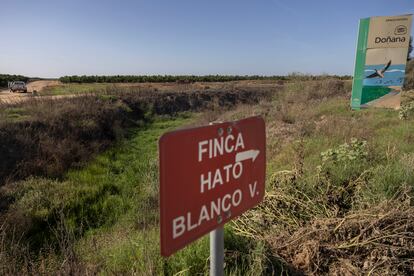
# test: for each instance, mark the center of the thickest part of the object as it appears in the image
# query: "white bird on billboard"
(379, 73)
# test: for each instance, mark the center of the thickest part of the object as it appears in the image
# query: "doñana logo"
(400, 30)
(389, 39)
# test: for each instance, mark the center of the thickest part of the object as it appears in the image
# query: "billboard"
(381, 56)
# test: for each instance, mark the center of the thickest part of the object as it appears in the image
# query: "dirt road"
(7, 97)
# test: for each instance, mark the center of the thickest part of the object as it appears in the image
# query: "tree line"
(187, 78)
(5, 79)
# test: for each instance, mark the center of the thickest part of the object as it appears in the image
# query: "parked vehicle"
(18, 86)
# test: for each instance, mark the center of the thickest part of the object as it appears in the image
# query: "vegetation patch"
(338, 192)
(5, 79)
(74, 89)
(186, 78)
(46, 137)
(105, 218)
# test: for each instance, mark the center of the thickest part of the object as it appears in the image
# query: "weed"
(46, 137)
(339, 187)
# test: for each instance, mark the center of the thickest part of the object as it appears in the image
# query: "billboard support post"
(217, 252)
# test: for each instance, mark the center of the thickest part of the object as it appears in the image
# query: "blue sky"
(51, 38)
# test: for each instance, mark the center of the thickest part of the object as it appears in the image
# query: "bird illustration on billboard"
(379, 73)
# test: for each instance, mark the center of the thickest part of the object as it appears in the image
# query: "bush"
(51, 136)
(5, 79)
(409, 75)
(305, 91)
(183, 79)
(346, 152)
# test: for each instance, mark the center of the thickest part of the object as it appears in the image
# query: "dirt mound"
(377, 241)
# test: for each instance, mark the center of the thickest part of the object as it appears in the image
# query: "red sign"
(209, 175)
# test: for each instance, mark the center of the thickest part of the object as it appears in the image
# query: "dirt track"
(7, 97)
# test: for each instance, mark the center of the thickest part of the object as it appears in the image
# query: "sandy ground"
(40, 85)
(7, 97)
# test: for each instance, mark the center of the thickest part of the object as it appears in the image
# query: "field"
(82, 88)
(79, 180)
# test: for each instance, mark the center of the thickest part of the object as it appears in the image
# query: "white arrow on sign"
(248, 154)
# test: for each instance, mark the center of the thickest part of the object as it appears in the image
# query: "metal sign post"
(217, 252)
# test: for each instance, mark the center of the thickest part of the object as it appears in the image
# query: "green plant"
(184, 79)
(356, 150)
(4, 79)
(329, 207)
(406, 110)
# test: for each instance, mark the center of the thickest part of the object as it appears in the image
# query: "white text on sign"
(208, 149)
(218, 146)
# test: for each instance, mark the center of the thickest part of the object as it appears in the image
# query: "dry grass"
(376, 241)
(231, 86)
(47, 137)
(339, 218)
(17, 257)
(348, 216)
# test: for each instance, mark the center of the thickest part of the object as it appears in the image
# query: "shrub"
(5, 79)
(406, 110)
(189, 79)
(356, 150)
(409, 75)
(52, 136)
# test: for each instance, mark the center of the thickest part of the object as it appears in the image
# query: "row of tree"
(186, 78)
(5, 79)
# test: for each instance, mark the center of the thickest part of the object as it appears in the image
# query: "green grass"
(75, 88)
(111, 205)
(125, 237)
(112, 208)
(131, 243)
(14, 114)
(115, 192)
(341, 186)
(132, 225)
